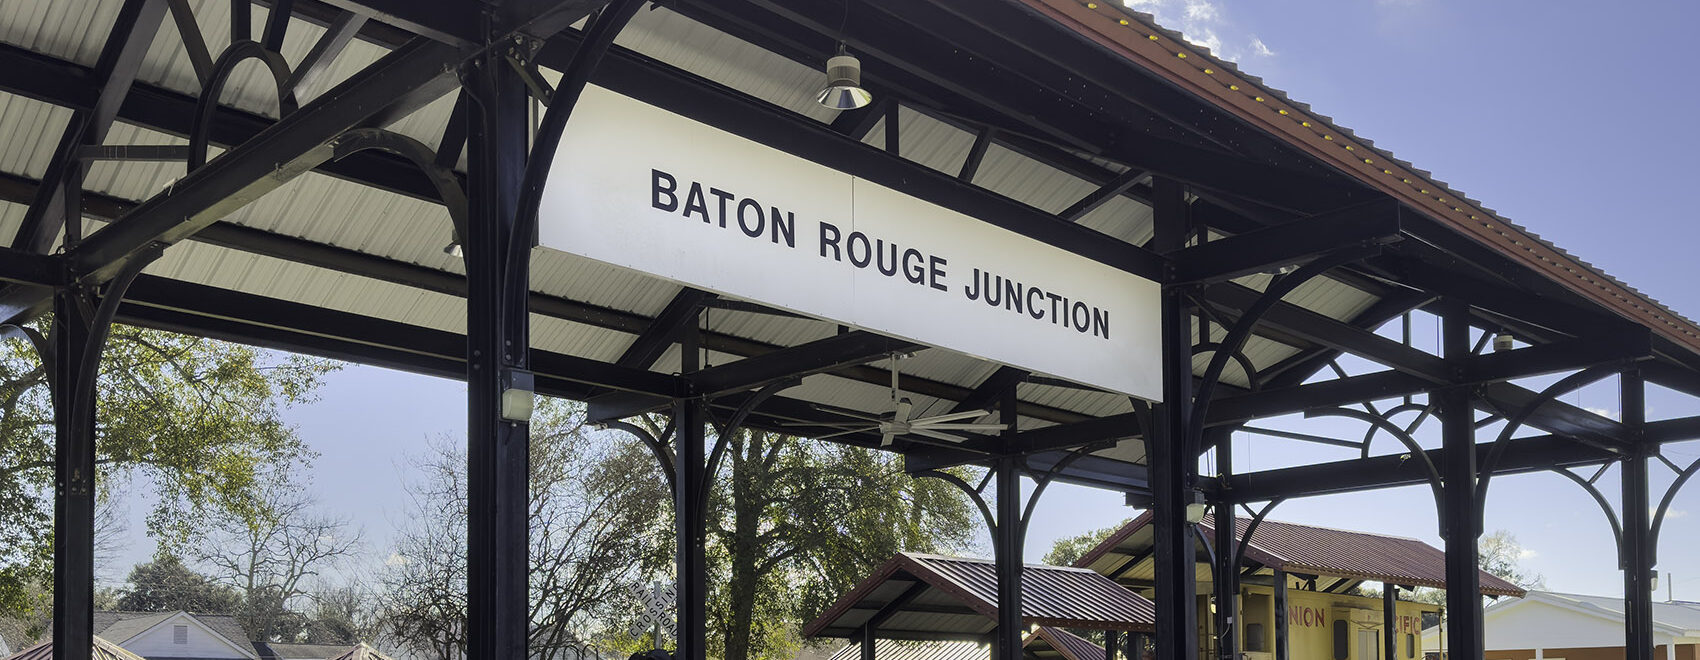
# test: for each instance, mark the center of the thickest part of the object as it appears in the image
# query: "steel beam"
(665, 330)
(137, 23)
(1171, 470)
(76, 343)
(1639, 551)
(1115, 188)
(1008, 544)
(689, 513)
(399, 83)
(1368, 224)
(821, 355)
(1460, 519)
(1280, 598)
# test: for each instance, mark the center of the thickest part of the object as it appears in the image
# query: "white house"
(1552, 626)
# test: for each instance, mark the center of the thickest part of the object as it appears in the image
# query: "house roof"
(1679, 616)
(362, 652)
(103, 650)
(938, 597)
(280, 651)
(898, 649)
(121, 626)
(1050, 643)
(1297, 548)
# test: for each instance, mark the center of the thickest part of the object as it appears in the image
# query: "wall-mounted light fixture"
(519, 395)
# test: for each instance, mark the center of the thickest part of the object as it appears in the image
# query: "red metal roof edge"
(1137, 38)
(1270, 559)
(904, 562)
(1057, 637)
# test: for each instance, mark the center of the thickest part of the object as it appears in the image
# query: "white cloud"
(396, 559)
(1526, 553)
(1201, 10)
(1670, 514)
(1259, 48)
(1603, 412)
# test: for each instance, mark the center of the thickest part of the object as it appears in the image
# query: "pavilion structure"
(362, 179)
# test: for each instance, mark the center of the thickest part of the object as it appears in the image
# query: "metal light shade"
(843, 90)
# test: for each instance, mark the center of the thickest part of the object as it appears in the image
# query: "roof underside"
(348, 260)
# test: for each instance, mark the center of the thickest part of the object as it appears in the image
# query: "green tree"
(166, 584)
(198, 419)
(1066, 551)
(794, 523)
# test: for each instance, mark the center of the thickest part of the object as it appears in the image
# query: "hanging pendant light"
(843, 89)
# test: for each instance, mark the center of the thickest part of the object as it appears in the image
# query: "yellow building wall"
(1311, 622)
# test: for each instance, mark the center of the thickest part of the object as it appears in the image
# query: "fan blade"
(951, 417)
(846, 413)
(885, 439)
(937, 436)
(847, 432)
(960, 427)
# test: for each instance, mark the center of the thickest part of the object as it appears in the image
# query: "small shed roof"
(898, 649)
(1298, 549)
(103, 650)
(1051, 643)
(923, 596)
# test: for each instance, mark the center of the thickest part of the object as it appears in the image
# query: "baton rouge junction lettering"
(733, 212)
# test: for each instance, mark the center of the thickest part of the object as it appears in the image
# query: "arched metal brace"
(1042, 480)
(973, 494)
(1236, 339)
(1435, 482)
(1605, 507)
(724, 432)
(1682, 477)
(421, 156)
(657, 447)
(100, 324)
(1238, 357)
(1424, 411)
(207, 105)
(598, 38)
(1514, 422)
(1251, 528)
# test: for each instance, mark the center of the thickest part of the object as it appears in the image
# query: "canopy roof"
(1125, 555)
(1044, 643)
(919, 596)
(1050, 643)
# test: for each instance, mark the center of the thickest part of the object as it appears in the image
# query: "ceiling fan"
(898, 422)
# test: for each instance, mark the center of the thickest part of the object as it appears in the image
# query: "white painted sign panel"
(639, 187)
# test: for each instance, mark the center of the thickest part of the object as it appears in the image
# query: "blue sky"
(1575, 120)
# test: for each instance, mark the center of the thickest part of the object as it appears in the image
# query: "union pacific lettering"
(1309, 617)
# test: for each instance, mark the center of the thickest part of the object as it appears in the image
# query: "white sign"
(636, 186)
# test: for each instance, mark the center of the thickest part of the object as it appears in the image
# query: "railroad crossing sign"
(659, 601)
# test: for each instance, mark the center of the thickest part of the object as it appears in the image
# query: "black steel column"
(1638, 550)
(690, 465)
(867, 643)
(1008, 544)
(497, 324)
(1226, 577)
(1461, 518)
(1389, 616)
(1170, 467)
(74, 470)
(1280, 614)
(1112, 639)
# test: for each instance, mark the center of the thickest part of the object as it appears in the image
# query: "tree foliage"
(1499, 554)
(199, 419)
(599, 526)
(272, 557)
(166, 584)
(794, 523)
(1066, 551)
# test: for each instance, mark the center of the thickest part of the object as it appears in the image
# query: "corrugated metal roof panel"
(32, 129)
(893, 649)
(669, 37)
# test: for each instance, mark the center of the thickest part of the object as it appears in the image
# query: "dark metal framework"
(1229, 201)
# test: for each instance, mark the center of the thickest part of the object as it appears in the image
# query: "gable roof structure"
(123, 626)
(1051, 643)
(932, 597)
(282, 651)
(1297, 548)
(899, 649)
(103, 650)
